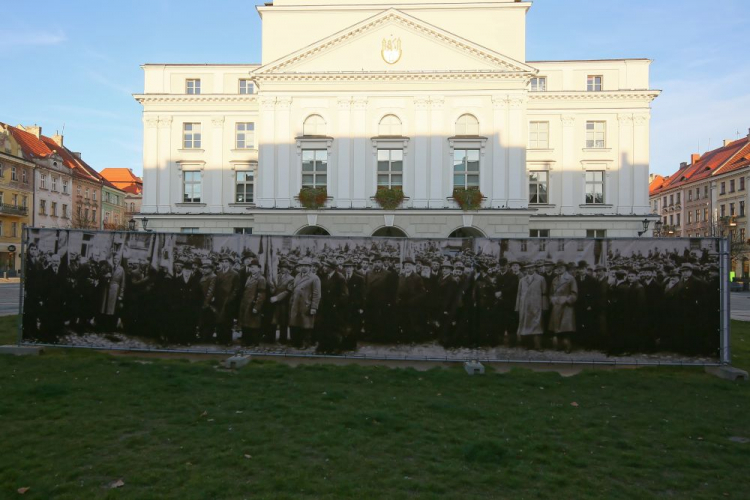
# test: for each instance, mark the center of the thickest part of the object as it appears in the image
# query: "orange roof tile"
(120, 175)
(30, 144)
(656, 184)
(72, 161)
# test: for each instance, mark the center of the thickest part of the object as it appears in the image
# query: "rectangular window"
(13, 173)
(690, 217)
(390, 168)
(246, 86)
(595, 134)
(594, 83)
(245, 135)
(596, 233)
(94, 194)
(43, 207)
(243, 230)
(65, 186)
(54, 183)
(671, 200)
(731, 209)
(664, 202)
(679, 195)
(690, 195)
(88, 191)
(723, 210)
(697, 193)
(742, 209)
(742, 234)
(731, 186)
(93, 215)
(191, 187)
(65, 211)
(314, 168)
(24, 201)
(466, 168)
(539, 84)
(723, 189)
(538, 233)
(538, 187)
(193, 86)
(697, 216)
(678, 219)
(14, 229)
(742, 183)
(705, 191)
(539, 135)
(189, 230)
(594, 187)
(53, 209)
(43, 181)
(191, 135)
(705, 215)
(244, 182)
(24, 176)
(78, 190)
(15, 200)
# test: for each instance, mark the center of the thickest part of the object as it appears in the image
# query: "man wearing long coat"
(562, 297)
(253, 298)
(409, 296)
(379, 294)
(334, 296)
(304, 303)
(225, 296)
(531, 302)
(355, 283)
(113, 287)
(208, 309)
(280, 295)
(506, 290)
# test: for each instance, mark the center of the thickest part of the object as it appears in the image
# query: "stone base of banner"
(236, 362)
(728, 373)
(18, 350)
(474, 368)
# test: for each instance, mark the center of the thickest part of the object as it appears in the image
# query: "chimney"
(683, 165)
(58, 139)
(695, 157)
(76, 154)
(32, 129)
(726, 142)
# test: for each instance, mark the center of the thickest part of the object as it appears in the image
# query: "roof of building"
(73, 162)
(120, 175)
(30, 144)
(740, 160)
(710, 163)
(132, 189)
(656, 183)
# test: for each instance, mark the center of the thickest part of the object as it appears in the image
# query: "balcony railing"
(13, 209)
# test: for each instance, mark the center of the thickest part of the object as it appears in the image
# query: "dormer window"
(594, 83)
(539, 84)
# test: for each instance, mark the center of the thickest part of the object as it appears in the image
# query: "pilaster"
(625, 186)
(421, 142)
(215, 175)
(359, 153)
(266, 156)
(437, 165)
(566, 176)
(518, 131)
(499, 195)
(150, 164)
(343, 161)
(164, 162)
(284, 144)
(641, 155)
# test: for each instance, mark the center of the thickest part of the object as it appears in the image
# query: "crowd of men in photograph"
(335, 299)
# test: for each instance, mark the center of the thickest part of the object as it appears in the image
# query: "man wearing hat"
(251, 304)
(451, 292)
(208, 309)
(531, 302)
(486, 312)
(280, 294)
(355, 283)
(506, 292)
(653, 310)
(225, 298)
(380, 291)
(618, 331)
(586, 306)
(410, 295)
(187, 292)
(691, 296)
(304, 303)
(332, 311)
(562, 297)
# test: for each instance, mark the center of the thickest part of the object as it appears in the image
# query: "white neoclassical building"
(428, 96)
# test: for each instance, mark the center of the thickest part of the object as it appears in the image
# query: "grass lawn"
(75, 421)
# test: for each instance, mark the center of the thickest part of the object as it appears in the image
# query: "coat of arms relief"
(391, 51)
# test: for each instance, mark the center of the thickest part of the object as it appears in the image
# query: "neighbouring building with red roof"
(113, 207)
(132, 185)
(52, 178)
(709, 196)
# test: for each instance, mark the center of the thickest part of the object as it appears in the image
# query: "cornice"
(157, 98)
(390, 76)
(620, 95)
(393, 16)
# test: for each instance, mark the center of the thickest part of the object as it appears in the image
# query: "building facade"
(130, 184)
(425, 97)
(113, 207)
(16, 199)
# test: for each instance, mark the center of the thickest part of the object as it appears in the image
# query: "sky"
(73, 66)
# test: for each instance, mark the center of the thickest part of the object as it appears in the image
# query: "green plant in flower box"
(389, 198)
(312, 198)
(468, 199)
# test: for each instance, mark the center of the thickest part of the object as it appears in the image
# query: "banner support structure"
(724, 310)
(24, 236)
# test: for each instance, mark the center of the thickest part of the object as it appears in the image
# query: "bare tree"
(83, 221)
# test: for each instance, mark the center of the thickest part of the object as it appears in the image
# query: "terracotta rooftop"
(120, 175)
(656, 184)
(30, 144)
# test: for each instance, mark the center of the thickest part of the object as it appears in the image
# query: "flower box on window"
(468, 199)
(312, 198)
(389, 198)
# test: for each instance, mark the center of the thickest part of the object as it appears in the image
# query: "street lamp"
(646, 223)
(131, 224)
(144, 221)
(657, 227)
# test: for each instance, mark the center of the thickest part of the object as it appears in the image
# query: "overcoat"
(113, 291)
(563, 297)
(280, 291)
(305, 296)
(253, 297)
(530, 302)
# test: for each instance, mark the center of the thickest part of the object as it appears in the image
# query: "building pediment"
(393, 42)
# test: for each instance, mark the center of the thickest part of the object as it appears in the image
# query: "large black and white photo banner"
(607, 300)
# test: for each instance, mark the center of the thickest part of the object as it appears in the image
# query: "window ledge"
(190, 204)
(243, 150)
(595, 205)
(191, 150)
(249, 205)
(542, 205)
(597, 150)
(540, 150)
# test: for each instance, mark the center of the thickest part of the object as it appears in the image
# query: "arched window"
(314, 125)
(389, 232)
(313, 231)
(467, 125)
(390, 125)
